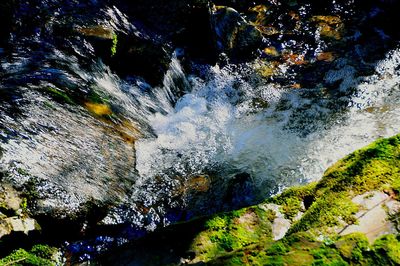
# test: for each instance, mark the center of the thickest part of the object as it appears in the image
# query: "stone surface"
(280, 224)
(235, 36)
(17, 224)
(373, 219)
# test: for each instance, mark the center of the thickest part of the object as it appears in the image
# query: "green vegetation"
(40, 255)
(375, 167)
(243, 237)
(24, 205)
(59, 95)
(95, 97)
(114, 44)
(233, 231)
(386, 250)
(353, 246)
(290, 200)
(302, 249)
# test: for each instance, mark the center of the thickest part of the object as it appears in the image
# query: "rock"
(235, 36)
(239, 5)
(329, 27)
(10, 198)
(129, 53)
(373, 218)
(271, 51)
(98, 31)
(22, 224)
(16, 224)
(103, 39)
(144, 57)
(280, 224)
(185, 24)
(326, 56)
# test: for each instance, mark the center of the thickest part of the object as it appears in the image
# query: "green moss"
(353, 247)
(24, 205)
(291, 199)
(228, 242)
(304, 238)
(44, 251)
(23, 172)
(396, 187)
(328, 204)
(366, 169)
(325, 212)
(97, 97)
(59, 95)
(386, 250)
(232, 231)
(274, 261)
(217, 223)
(30, 191)
(235, 261)
(277, 248)
(298, 192)
(373, 167)
(114, 44)
(40, 255)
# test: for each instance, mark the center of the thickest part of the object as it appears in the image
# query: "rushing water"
(295, 139)
(239, 137)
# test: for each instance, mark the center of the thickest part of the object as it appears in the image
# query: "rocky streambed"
(349, 217)
(118, 119)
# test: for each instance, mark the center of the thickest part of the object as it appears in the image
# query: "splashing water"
(223, 123)
(293, 140)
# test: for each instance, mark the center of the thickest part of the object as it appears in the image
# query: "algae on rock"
(318, 211)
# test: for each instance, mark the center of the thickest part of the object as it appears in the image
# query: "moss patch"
(291, 199)
(232, 231)
(38, 255)
(375, 167)
(114, 44)
(59, 95)
(243, 237)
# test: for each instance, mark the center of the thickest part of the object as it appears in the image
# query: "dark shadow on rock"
(164, 247)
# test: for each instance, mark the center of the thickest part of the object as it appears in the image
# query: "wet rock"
(103, 39)
(101, 32)
(330, 27)
(240, 190)
(13, 213)
(186, 24)
(141, 57)
(129, 53)
(235, 36)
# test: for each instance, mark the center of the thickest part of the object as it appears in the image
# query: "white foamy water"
(215, 126)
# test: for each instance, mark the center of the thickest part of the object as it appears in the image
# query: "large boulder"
(185, 24)
(234, 35)
(128, 53)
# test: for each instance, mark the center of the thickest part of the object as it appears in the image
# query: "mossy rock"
(353, 246)
(232, 231)
(326, 205)
(386, 250)
(375, 167)
(39, 255)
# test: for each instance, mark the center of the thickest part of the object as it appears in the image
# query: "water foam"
(216, 126)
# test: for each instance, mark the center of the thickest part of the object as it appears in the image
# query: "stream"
(206, 138)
